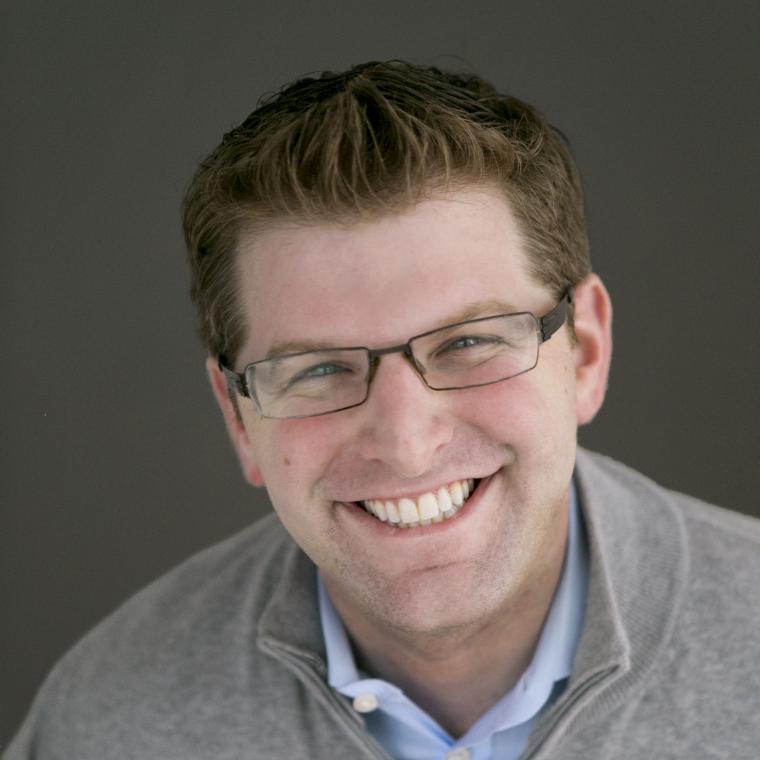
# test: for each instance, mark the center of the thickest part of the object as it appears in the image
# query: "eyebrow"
(475, 310)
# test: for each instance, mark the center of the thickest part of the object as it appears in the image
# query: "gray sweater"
(223, 658)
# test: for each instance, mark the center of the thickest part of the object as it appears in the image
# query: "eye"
(466, 342)
(317, 372)
(470, 341)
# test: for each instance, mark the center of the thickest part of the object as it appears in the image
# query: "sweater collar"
(639, 565)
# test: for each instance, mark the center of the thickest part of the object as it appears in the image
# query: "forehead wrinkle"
(476, 310)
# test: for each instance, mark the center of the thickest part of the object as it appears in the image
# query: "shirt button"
(460, 753)
(365, 703)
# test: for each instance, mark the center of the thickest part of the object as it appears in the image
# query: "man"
(391, 273)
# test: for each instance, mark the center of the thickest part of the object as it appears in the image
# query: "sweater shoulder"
(184, 645)
(721, 546)
(212, 589)
(701, 519)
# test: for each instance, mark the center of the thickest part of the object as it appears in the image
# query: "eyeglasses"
(463, 355)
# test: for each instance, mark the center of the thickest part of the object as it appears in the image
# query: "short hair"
(370, 141)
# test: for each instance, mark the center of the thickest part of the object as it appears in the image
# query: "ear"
(237, 431)
(593, 349)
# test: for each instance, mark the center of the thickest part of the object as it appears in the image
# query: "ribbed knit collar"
(639, 566)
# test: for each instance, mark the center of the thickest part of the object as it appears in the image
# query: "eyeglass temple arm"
(233, 378)
(552, 321)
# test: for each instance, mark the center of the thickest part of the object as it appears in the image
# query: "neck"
(457, 674)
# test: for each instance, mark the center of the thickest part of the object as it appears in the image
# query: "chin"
(439, 602)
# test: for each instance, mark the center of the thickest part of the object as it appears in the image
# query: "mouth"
(426, 509)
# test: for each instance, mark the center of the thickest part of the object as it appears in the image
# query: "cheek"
(507, 408)
(294, 453)
(533, 414)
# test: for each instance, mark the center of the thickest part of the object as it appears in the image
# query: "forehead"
(379, 282)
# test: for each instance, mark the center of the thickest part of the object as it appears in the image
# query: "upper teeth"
(430, 507)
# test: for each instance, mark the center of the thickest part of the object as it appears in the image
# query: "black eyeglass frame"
(546, 326)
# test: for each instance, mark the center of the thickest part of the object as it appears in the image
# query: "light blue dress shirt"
(409, 733)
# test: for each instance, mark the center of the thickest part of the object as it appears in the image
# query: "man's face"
(376, 284)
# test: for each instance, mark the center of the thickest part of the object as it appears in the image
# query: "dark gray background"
(115, 464)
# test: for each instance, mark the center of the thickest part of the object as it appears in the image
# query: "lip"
(431, 487)
(379, 529)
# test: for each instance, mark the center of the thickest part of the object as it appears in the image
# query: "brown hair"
(373, 140)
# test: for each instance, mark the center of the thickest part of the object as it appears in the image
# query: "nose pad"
(417, 366)
(405, 422)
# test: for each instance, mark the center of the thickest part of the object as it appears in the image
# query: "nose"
(405, 424)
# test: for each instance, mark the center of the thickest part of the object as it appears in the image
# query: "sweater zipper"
(340, 710)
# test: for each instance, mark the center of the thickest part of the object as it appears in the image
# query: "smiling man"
(391, 273)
